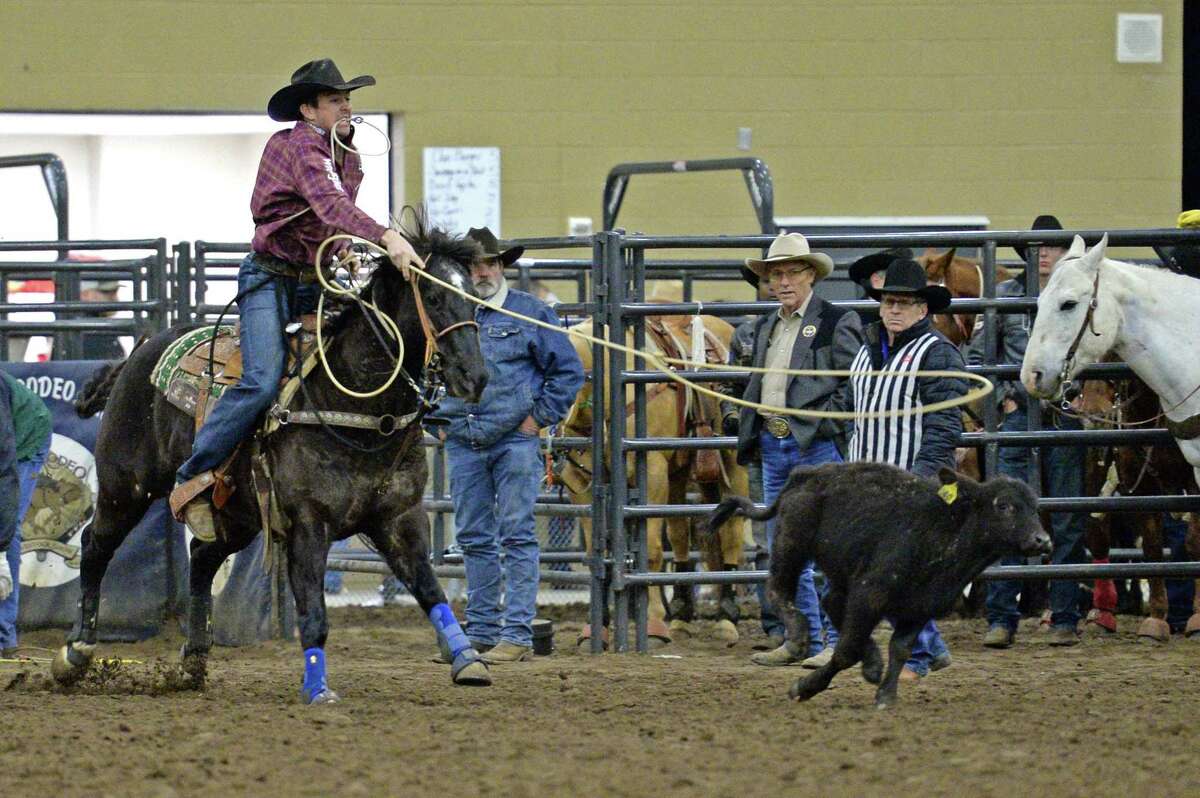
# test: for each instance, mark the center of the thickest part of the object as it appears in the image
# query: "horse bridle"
(431, 335)
(1089, 321)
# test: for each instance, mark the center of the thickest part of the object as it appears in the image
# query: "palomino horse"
(1131, 471)
(671, 411)
(1146, 317)
(330, 483)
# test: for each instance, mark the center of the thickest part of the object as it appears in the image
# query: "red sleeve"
(317, 181)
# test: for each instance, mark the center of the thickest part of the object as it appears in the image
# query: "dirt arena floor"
(1110, 716)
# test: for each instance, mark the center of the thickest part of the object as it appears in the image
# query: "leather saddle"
(183, 375)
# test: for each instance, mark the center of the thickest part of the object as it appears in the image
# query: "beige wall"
(1006, 109)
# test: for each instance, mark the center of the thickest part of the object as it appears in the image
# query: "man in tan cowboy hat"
(805, 333)
(304, 193)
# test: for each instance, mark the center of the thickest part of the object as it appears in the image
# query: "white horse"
(1148, 317)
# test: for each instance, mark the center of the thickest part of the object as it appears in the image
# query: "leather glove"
(6, 580)
(729, 424)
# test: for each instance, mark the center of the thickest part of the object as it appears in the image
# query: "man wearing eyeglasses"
(884, 378)
(805, 333)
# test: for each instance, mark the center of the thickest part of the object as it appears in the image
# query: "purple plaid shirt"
(298, 175)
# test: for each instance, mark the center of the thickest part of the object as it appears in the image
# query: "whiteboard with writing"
(462, 187)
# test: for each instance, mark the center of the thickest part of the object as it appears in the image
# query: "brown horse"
(963, 278)
(671, 411)
(1135, 471)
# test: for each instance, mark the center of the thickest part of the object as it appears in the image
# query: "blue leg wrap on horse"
(314, 673)
(446, 624)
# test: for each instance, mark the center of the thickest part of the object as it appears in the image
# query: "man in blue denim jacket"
(493, 454)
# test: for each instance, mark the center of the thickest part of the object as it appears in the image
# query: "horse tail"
(95, 393)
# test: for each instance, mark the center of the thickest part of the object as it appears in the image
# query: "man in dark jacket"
(901, 343)
(493, 455)
(1062, 469)
(868, 272)
(805, 333)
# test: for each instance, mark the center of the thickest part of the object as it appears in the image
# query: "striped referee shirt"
(895, 439)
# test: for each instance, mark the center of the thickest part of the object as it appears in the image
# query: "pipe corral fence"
(173, 283)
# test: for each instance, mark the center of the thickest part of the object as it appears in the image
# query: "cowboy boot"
(190, 505)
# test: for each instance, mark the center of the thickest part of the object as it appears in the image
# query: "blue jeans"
(929, 646)
(266, 303)
(493, 489)
(779, 457)
(1062, 475)
(27, 472)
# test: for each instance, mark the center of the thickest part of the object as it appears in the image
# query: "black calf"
(892, 545)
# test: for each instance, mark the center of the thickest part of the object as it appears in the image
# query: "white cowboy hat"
(788, 247)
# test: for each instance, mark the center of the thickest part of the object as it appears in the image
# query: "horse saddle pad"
(182, 372)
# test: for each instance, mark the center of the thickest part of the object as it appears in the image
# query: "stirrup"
(188, 506)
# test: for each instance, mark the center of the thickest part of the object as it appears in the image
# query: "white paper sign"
(462, 187)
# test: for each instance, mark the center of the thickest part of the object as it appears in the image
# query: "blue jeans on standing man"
(1062, 467)
(494, 489)
(266, 303)
(27, 473)
(779, 457)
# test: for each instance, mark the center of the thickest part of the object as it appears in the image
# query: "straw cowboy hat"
(908, 277)
(1043, 222)
(315, 76)
(486, 240)
(789, 247)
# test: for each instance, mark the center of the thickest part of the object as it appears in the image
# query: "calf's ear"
(947, 476)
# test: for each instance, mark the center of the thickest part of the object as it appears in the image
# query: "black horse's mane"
(429, 241)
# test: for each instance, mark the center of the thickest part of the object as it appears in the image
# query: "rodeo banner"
(146, 587)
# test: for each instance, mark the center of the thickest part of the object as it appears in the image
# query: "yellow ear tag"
(949, 493)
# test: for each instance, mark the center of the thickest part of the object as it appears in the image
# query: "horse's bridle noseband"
(1089, 321)
(432, 336)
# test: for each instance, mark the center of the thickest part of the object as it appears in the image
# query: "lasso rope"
(663, 364)
(335, 142)
(389, 325)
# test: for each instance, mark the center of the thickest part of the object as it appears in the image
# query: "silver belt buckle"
(778, 427)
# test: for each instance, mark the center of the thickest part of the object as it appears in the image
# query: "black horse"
(330, 483)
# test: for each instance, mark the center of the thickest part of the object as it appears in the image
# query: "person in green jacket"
(25, 432)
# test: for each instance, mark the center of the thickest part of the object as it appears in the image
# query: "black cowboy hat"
(315, 76)
(491, 247)
(862, 269)
(750, 277)
(907, 277)
(1043, 222)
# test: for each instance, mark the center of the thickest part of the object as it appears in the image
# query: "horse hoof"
(473, 674)
(1154, 630)
(194, 669)
(682, 629)
(1192, 630)
(585, 637)
(658, 634)
(326, 696)
(71, 662)
(727, 632)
